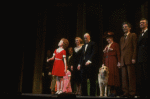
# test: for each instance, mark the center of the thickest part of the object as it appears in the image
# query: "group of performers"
(130, 56)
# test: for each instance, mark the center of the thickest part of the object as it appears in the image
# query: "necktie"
(125, 36)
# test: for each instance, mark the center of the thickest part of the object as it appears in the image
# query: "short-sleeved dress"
(58, 66)
(67, 84)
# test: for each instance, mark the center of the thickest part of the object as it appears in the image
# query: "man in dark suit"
(69, 63)
(70, 58)
(142, 58)
(87, 66)
(128, 44)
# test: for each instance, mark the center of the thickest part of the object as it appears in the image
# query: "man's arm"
(81, 57)
(94, 52)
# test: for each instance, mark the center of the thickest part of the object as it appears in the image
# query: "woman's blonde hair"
(65, 43)
(81, 41)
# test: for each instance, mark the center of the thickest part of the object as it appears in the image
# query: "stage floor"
(56, 96)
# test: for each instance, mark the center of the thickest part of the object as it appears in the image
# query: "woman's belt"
(57, 59)
(109, 55)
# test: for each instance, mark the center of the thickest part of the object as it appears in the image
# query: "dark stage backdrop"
(41, 28)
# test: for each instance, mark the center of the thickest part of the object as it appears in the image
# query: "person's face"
(86, 38)
(60, 43)
(77, 42)
(126, 28)
(109, 40)
(143, 24)
(70, 51)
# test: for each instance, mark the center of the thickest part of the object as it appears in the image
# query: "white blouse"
(76, 49)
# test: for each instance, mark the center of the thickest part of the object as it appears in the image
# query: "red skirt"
(58, 68)
(111, 63)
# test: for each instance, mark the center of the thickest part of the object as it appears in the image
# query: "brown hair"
(65, 43)
(144, 19)
(129, 25)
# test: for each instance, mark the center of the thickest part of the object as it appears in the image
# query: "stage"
(29, 95)
(58, 96)
(44, 96)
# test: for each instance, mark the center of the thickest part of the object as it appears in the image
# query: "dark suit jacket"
(128, 49)
(143, 47)
(69, 62)
(89, 54)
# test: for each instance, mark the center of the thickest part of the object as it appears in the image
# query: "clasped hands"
(86, 64)
(110, 49)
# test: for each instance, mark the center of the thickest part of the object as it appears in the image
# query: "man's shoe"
(112, 95)
(124, 96)
(131, 96)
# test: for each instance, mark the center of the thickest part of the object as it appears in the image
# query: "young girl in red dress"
(59, 67)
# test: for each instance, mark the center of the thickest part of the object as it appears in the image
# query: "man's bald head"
(87, 37)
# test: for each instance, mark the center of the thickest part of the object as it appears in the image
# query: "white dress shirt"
(144, 31)
(86, 47)
(127, 34)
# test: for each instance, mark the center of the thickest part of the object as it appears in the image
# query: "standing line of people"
(131, 57)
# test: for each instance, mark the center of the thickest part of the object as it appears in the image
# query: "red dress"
(59, 67)
(111, 59)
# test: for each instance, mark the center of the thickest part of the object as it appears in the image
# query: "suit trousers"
(142, 77)
(128, 79)
(53, 83)
(88, 72)
(73, 81)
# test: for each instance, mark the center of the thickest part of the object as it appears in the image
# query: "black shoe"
(143, 96)
(112, 95)
(124, 96)
(131, 96)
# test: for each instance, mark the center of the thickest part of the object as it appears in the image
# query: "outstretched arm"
(50, 58)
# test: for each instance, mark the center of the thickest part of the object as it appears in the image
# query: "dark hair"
(129, 25)
(70, 48)
(144, 19)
